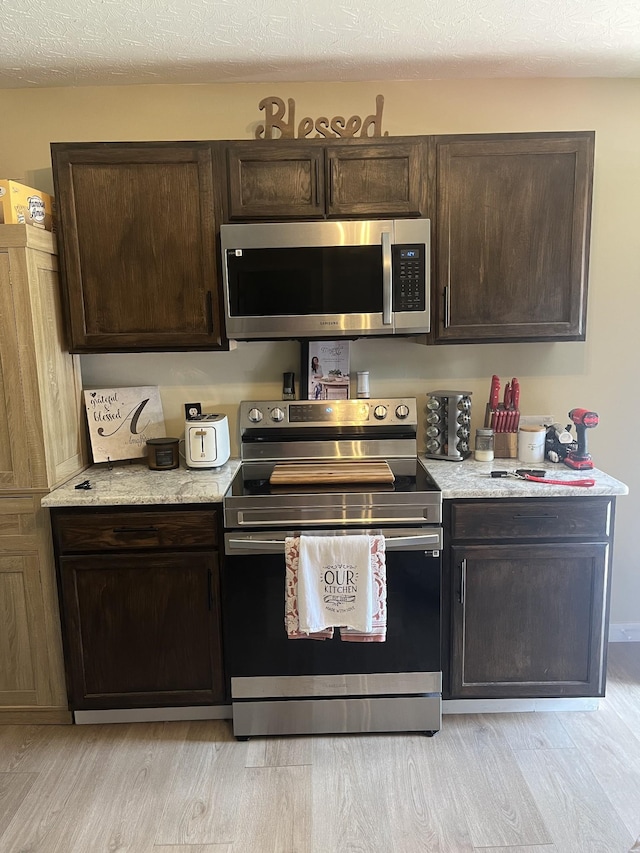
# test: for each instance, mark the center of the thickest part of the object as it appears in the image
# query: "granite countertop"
(133, 484)
(471, 479)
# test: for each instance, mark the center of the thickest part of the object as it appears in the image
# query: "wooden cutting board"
(331, 472)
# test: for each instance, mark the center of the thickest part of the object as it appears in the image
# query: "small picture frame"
(325, 370)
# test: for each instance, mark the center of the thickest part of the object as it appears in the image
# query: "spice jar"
(162, 454)
(484, 445)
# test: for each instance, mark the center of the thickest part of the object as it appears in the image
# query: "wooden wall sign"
(122, 419)
(276, 119)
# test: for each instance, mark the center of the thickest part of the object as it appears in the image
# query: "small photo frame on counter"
(325, 370)
(122, 420)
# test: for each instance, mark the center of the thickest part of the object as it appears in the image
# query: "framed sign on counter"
(122, 420)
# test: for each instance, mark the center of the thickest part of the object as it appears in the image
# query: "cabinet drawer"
(141, 529)
(547, 519)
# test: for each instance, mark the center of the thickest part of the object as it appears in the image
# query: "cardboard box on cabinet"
(20, 205)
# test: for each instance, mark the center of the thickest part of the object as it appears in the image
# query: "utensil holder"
(448, 425)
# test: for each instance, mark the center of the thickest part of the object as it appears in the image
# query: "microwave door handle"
(387, 278)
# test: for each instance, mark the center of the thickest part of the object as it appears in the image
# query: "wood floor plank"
(612, 752)
(33, 748)
(14, 787)
(60, 792)
(384, 793)
(121, 813)
(623, 687)
(498, 804)
(576, 809)
(275, 811)
(279, 752)
(352, 805)
(205, 790)
(535, 731)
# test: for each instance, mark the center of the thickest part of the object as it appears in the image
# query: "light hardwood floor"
(504, 783)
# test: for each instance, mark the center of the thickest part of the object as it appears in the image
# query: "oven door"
(282, 686)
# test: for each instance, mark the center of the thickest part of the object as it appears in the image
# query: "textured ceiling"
(106, 42)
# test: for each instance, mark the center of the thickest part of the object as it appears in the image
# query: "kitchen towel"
(336, 581)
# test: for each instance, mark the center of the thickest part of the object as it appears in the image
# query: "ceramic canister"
(531, 442)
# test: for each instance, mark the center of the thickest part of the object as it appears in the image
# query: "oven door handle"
(276, 546)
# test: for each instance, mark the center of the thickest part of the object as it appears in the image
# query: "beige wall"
(600, 374)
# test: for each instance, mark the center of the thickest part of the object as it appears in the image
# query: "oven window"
(317, 280)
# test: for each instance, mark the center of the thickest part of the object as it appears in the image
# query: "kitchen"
(554, 377)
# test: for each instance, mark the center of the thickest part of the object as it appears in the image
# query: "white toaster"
(206, 441)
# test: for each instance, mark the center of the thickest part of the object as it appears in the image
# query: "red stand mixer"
(584, 420)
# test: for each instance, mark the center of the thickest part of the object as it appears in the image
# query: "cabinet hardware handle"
(144, 531)
(546, 516)
(447, 306)
(387, 279)
(210, 312)
(317, 167)
(463, 580)
(209, 590)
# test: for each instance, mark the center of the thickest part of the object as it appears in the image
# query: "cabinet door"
(528, 620)
(38, 377)
(137, 240)
(513, 221)
(32, 687)
(377, 180)
(142, 630)
(275, 180)
(15, 472)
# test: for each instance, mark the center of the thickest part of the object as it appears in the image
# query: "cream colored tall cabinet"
(41, 446)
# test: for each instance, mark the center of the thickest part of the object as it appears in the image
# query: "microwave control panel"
(409, 279)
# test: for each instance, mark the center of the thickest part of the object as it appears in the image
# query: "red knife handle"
(495, 392)
(515, 393)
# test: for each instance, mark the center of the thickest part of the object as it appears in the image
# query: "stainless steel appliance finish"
(327, 430)
(326, 279)
(282, 686)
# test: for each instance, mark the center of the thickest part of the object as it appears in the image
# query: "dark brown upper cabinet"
(320, 179)
(512, 221)
(137, 238)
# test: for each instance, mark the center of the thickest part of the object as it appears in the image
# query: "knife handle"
(515, 393)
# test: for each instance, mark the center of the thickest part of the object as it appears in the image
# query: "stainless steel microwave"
(326, 279)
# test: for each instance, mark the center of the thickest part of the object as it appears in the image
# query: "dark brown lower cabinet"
(529, 618)
(141, 621)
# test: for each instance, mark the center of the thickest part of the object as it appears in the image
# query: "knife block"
(505, 444)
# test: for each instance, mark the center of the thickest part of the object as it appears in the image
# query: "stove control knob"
(277, 414)
(255, 416)
(380, 412)
(402, 412)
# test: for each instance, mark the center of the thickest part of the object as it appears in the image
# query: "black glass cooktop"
(410, 476)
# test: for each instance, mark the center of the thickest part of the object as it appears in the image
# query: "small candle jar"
(162, 454)
(484, 445)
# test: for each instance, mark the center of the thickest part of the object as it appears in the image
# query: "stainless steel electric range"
(280, 686)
